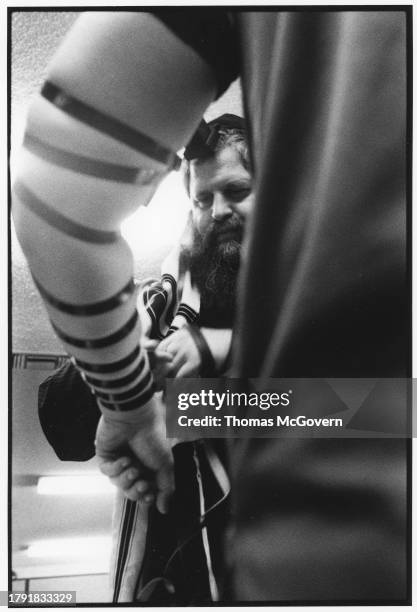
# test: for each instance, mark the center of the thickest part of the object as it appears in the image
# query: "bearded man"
(219, 185)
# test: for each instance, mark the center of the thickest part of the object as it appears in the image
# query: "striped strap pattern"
(128, 383)
(89, 166)
(126, 395)
(59, 221)
(88, 310)
(137, 401)
(106, 124)
(99, 343)
(117, 382)
(108, 368)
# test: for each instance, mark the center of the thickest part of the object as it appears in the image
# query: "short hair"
(235, 138)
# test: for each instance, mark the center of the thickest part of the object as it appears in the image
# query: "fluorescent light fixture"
(83, 484)
(93, 546)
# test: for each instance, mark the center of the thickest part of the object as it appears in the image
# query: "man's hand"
(132, 479)
(144, 436)
(185, 357)
(160, 362)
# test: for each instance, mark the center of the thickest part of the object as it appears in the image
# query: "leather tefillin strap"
(208, 366)
(111, 126)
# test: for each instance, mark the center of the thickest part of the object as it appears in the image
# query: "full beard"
(213, 261)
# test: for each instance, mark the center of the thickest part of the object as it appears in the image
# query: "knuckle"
(131, 495)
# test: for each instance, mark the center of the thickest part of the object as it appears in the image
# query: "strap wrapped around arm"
(95, 149)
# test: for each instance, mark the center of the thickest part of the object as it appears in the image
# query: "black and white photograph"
(210, 309)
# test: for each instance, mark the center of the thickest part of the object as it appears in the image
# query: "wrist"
(141, 416)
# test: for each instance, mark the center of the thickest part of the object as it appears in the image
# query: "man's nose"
(221, 208)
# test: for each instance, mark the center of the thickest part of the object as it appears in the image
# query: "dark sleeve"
(68, 414)
(212, 34)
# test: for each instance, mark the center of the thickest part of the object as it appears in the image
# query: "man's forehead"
(225, 166)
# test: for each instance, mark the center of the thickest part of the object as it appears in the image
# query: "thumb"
(149, 344)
